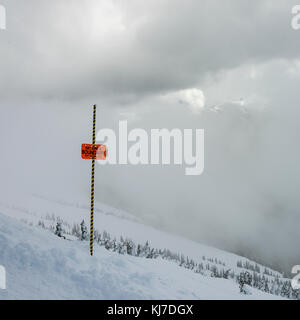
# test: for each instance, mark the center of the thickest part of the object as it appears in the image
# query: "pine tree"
(130, 248)
(121, 248)
(295, 294)
(248, 278)
(84, 234)
(266, 288)
(285, 289)
(214, 273)
(182, 260)
(114, 245)
(107, 244)
(139, 250)
(260, 283)
(241, 282)
(245, 278)
(146, 249)
(187, 264)
(58, 230)
(272, 290)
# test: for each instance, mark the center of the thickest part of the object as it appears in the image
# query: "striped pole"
(93, 185)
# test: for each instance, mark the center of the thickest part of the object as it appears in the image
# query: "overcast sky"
(230, 67)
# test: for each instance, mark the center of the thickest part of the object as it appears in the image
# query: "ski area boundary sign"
(93, 152)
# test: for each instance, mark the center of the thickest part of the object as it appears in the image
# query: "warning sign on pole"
(93, 152)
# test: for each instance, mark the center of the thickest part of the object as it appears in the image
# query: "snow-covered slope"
(31, 209)
(40, 265)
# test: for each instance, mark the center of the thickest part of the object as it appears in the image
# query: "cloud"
(193, 98)
(82, 48)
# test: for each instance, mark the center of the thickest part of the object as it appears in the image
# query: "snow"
(117, 222)
(40, 265)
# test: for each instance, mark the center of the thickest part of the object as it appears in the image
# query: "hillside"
(40, 265)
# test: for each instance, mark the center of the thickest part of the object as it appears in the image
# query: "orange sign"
(93, 152)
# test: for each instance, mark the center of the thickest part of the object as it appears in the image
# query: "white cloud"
(194, 98)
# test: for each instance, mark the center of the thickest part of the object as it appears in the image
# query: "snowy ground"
(39, 265)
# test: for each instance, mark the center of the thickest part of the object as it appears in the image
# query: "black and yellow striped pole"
(93, 185)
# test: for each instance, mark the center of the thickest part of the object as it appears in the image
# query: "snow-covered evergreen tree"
(182, 260)
(245, 278)
(147, 249)
(130, 247)
(286, 289)
(266, 288)
(225, 274)
(121, 248)
(139, 250)
(84, 233)
(58, 230)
